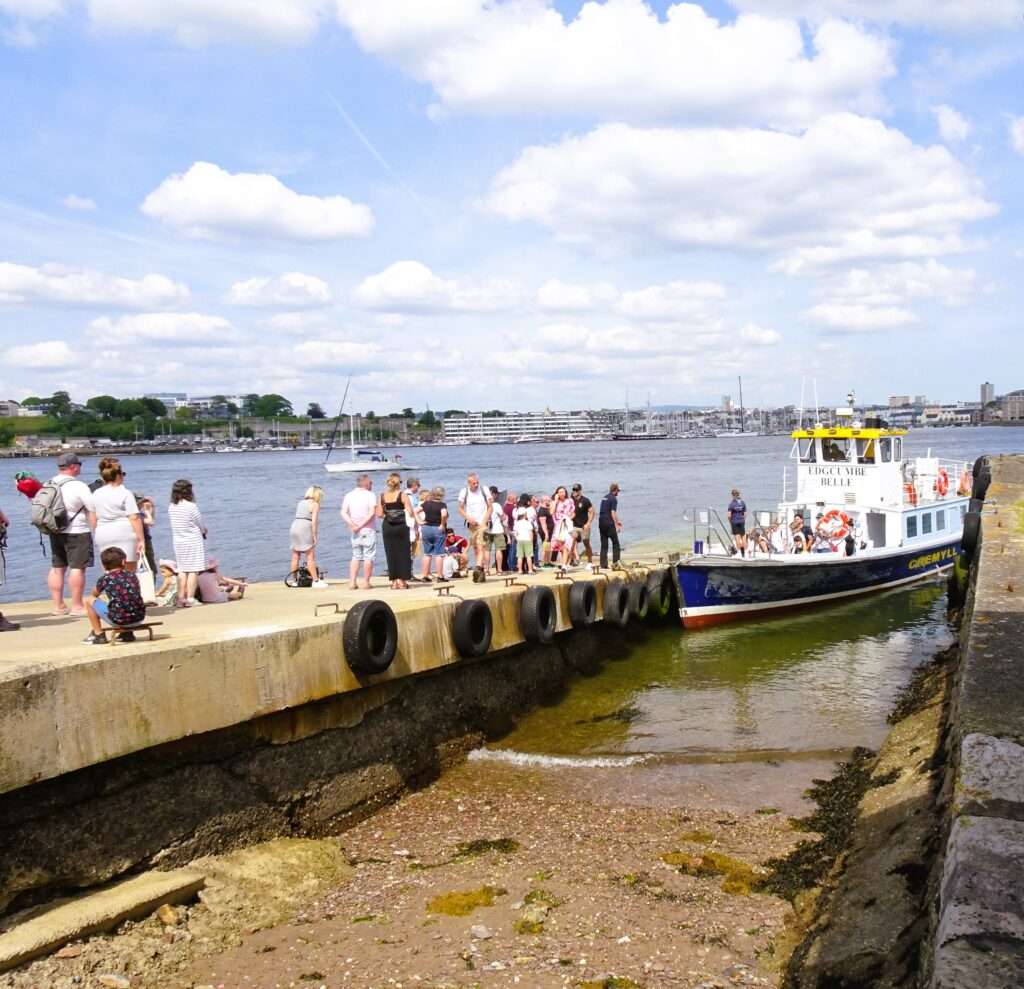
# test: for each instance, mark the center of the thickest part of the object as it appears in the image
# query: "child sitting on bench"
(124, 606)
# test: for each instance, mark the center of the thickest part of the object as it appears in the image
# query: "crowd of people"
(504, 532)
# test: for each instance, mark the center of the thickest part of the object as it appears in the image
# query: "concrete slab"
(216, 666)
(990, 782)
(97, 912)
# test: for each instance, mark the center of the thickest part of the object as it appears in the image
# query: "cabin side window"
(940, 520)
(926, 523)
(885, 450)
(835, 451)
(911, 526)
(897, 449)
(865, 451)
(806, 451)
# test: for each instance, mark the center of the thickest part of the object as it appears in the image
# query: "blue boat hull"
(723, 590)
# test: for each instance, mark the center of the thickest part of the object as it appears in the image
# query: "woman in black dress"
(396, 505)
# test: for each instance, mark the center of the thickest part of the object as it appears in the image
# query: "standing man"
(581, 523)
(609, 526)
(737, 512)
(475, 508)
(359, 511)
(5, 625)
(71, 547)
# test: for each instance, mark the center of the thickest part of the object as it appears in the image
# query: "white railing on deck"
(923, 487)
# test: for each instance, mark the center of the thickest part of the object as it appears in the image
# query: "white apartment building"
(946, 415)
(511, 426)
(10, 408)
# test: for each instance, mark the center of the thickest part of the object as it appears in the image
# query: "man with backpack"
(63, 509)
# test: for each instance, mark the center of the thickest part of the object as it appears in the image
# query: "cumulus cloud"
(55, 283)
(940, 15)
(901, 283)
(32, 10)
(671, 301)
(859, 318)
(198, 22)
(206, 201)
(410, 286)
(292, 289)
(47, 354)
(82, 204)
(558, 296)
(847, 188)
(1017, 134)
(338, 353)
(619, 58)
(759, 336)
(191, 328)
(953, 125)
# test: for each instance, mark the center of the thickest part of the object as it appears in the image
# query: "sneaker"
(126, 637)
(6, 626)
(95, 639)
(320, 585)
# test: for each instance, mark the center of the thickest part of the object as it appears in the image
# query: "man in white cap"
(71, 548)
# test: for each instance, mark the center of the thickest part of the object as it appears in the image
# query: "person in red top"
(27, 483)
(457, 546)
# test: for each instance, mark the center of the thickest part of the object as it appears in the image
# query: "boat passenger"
(737, 512)
(822, 538)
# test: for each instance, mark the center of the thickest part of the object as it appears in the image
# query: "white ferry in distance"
(875, 521)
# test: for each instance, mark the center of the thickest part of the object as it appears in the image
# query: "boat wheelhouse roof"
(845, 432)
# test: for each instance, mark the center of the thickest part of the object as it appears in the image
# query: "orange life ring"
(837, 531)
(942, 483)
(911, 492)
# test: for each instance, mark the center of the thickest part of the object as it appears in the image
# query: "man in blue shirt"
(738, 522)
(608, 525)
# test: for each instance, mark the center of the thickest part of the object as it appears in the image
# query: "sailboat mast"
(337, 422)
(743, 417)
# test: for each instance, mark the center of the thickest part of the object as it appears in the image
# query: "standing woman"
(434, 515)
(563, 509)
(118, 522)
(304, 530)
(188, 533)
(395, 504)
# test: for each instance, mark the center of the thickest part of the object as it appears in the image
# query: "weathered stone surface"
(991, 778)
(97, 912)
(977, 963)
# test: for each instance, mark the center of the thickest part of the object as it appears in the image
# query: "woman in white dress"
(188, 534)
(118, 522)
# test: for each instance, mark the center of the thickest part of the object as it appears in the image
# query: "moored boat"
(862, 519)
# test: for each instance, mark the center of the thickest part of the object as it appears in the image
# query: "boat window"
(926, 523)
(911, 526)
(865, 451)
(885, 449)
(897, 449)
(835, 451)
(805, 449)
(940, 520)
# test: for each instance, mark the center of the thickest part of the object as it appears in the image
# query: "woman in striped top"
(188, 533)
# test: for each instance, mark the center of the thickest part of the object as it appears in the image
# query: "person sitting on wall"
(458, 547)
(124, 606)
(215, 588)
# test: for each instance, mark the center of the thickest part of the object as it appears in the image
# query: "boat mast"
(742, 415)
(337, 422)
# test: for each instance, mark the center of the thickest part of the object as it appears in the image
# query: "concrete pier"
(237, 722)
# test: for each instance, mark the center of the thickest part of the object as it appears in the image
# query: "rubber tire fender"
(538, 615)
(616, 604)
(582, 604)
(982, 478)
(971, 538)
(639, 599)
(472, 628)
(659, 593)
(369, 636)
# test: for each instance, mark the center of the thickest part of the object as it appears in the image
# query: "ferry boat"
(876, 521)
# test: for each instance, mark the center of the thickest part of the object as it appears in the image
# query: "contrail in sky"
(368, 144)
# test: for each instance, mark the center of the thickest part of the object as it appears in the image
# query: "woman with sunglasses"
(118, 522)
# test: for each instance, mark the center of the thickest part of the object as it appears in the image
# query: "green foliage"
(6, 435)
(428, 419)
(271, 406)
(407, 413)
(184, 413)
(314, 411)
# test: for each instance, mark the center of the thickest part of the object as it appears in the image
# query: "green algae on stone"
(698, 837)
(481, 846)
(767, 810)
(542, 897)
(461, 904)
(738, 876)
(612, 982)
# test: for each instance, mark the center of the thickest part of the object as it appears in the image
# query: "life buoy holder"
(911, 492)
(837, 531)
(942, 483)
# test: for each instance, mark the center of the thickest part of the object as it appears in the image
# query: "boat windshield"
(865, 451)
(806, 451)
(835, 451)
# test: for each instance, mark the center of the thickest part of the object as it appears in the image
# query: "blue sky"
(511, 203)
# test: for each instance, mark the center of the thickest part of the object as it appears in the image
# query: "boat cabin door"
(876, 529)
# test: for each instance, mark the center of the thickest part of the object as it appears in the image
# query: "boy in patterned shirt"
(124, 605)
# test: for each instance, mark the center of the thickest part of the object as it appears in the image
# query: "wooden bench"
(116, 630)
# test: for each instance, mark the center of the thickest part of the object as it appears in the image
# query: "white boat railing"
(710, 533)
(929, 480)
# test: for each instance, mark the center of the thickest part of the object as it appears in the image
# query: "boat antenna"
(817, 411)
(337, 421)
(803, 384)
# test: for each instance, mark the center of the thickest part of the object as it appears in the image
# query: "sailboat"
(360, 461)
(743, 421)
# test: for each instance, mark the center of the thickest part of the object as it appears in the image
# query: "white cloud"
(759, 336)
(207, 201)
(937, 14)
(559, 296)
(410, 286)
(63, 285)
(672, 301)
(48, 354)
(338, 353)
(32, 10)
(192, 328)
(900, 283)
(295, 322)
(291, 289)
(953, 125)
(199, 22)
(81, 203)
(1017, 134)
(859, 318)
(619, 58)
(849, 187)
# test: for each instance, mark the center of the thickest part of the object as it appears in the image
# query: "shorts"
(364, 545)
(496, 539)
(71, 550)
(581, 536)
(525, 549)
(433, 540)
(739, 528)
